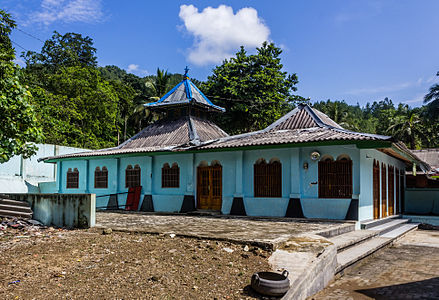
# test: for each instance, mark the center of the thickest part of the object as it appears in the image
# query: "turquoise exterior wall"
(422, 201)
(237, 179)
(367, 157)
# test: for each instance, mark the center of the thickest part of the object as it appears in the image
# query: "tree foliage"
(252, 88)
(412, 126)
(18, 124)
(432, 98)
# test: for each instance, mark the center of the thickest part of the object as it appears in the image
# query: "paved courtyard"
(262, 231)
(407, 270)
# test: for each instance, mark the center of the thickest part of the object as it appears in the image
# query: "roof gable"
(303, 117)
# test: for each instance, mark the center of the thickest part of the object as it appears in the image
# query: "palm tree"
(406, 126)
(157, 86)
(433, 99)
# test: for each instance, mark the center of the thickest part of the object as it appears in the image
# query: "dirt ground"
(85, 264)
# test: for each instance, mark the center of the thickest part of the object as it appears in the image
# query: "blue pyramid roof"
(184, 93)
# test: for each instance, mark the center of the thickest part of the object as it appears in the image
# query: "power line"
(28, 34)
(19, 45)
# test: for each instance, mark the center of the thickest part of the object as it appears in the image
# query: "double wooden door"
(209, 187)
(376, 190)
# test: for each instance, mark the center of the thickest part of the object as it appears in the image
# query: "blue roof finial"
(186, 70)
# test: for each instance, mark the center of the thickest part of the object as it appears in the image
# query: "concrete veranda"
(265, 232)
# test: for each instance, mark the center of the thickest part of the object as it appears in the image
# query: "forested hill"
(65, 98)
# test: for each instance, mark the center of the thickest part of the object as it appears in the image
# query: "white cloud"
(382, 89)
(132, 68)
(135, 69)
(68, 11)
(418, 98)
(218, 32)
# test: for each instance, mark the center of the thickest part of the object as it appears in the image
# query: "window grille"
(101, 178)
(170, 176)
(132, 176)
(72, 178)
(335, 178)
(268, 179)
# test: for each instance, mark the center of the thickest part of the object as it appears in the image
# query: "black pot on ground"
(270, 283)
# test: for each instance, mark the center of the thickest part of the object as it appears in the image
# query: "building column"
(148, 181)
(238, 174)
(189, 195)
(294, 209)
(238, 207)
(59, 176)
(87, 177)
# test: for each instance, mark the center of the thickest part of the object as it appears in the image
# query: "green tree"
(406, 126)
(252, 88)
(78, 108)
(432, 98)
(18, 124)
(68, 50)
(75, 105)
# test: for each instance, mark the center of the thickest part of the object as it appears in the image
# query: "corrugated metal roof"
(301, 125)
(163, 135)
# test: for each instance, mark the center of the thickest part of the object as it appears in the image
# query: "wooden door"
(397, 192)
(391, 185)
(376, 189)
(209, 187)
(383, 191)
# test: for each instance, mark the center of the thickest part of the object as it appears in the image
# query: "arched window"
(335, 177)
(268, 178)
(170, 176)
(132, 176)
(72, 178)
(101, 178)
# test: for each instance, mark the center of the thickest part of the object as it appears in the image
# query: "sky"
(357, 51)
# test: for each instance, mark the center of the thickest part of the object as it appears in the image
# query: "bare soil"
(71, 264)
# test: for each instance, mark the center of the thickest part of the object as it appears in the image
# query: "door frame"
(211, 198)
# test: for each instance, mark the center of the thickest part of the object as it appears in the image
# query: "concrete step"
(373, 223)
(384, 235)
(21, 208)
(14, 202)
(350, 239)
(389, 226)
(356, 253)
(400, 231)
(12, 214)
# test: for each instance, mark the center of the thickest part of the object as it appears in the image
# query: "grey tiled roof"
(301, 125)
(431, 156)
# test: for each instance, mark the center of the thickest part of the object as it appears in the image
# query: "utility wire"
(19, 45)
(28, 34)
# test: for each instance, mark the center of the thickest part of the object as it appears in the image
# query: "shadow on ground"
(423, 289)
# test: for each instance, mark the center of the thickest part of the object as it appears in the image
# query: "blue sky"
(357, 51)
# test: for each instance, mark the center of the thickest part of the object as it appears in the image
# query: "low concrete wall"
(62, 210)
(316, 277)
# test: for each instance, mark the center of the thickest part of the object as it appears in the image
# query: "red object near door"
(133, 198)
